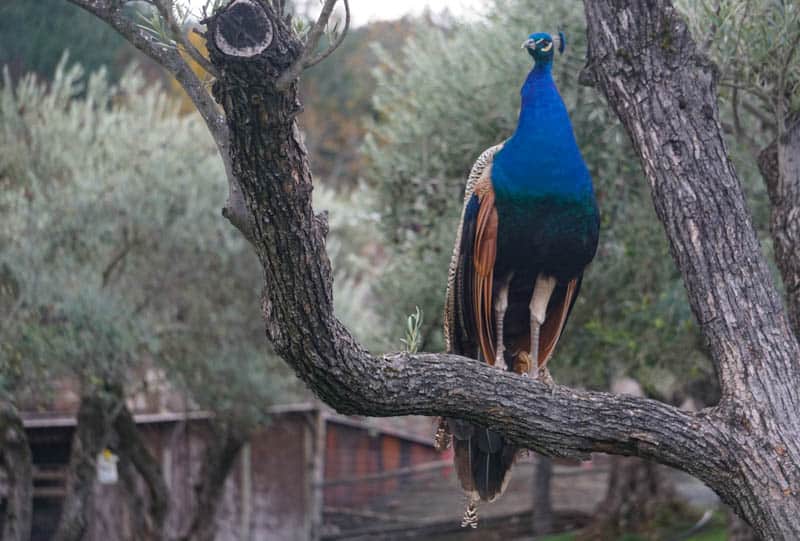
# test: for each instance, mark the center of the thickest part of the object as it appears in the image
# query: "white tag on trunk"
(107, 467)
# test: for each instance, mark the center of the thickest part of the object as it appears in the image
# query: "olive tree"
(643, 59)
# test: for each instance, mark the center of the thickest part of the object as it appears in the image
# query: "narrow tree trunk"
(218, 461)
(638, 493)
(132, 449)
(16, 461)
(92, 435)
(542, 502)
(779, 164)
(637, 490)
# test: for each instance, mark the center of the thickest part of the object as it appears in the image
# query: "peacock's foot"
(522, 364)
(543, 375)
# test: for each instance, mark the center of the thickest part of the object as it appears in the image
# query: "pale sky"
(369, 10)
(364, 11)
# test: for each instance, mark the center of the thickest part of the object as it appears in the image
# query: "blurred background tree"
(116, 266)
(33, 36)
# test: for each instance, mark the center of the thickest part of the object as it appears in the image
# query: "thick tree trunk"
(218, 460)
(643, 59)
(780, 166)
(738, 529)
(16, 461)
(132, 450)
(92, 435)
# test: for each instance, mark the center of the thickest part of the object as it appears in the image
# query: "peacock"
(528, 229)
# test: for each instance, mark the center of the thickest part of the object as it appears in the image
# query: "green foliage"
(453, 93)
(413, 325)
(113, 251)
(34, 35)
(113, 254)
(755, 45)
(337, 95)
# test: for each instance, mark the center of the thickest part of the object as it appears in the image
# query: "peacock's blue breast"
(554, 233)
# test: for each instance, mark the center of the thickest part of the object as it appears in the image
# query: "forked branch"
(166, 9)
(168, 57)
(309, 57)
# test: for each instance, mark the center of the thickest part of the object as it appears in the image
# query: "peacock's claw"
(545, 377)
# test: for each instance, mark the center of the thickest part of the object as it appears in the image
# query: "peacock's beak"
(528, 44)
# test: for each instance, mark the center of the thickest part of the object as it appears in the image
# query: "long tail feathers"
(483, 460)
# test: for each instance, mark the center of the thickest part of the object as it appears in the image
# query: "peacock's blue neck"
(542, 157)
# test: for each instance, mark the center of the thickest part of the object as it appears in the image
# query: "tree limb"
(170, 59)
(778, 164)
(165, 9)
(307, 58)
(338, 41)
(91, 435)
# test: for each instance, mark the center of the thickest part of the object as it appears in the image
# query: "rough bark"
(132, 449)
(779, 164)
(643, 59)
(542, 502)
(16, 461)
(92, 435)
(218, 460)
(664, 91)
(738, 529)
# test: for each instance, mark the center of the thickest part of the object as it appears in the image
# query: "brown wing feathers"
(484, 258)
(472, 286)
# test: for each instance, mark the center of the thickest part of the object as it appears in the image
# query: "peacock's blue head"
(541, 46)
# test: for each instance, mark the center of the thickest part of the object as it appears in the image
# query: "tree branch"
(670, 111)
(307, 58)
(91, 435)
(338, 41)
(780, 167)
(170, 59)
(165, 9)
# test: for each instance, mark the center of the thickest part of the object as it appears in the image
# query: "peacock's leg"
(500, 307)
(542, 291)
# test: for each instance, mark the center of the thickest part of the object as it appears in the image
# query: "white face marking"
(546, 49)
